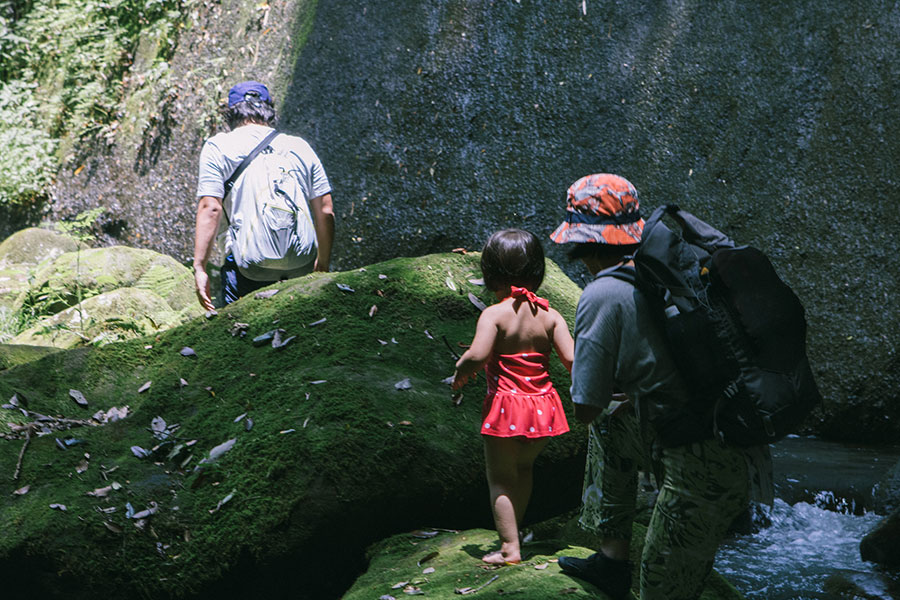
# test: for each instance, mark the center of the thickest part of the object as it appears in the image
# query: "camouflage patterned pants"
(704, 488)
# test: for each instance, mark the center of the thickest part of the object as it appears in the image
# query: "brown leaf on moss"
(373, 310)
(427, 557)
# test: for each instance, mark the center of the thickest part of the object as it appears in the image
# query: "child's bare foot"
(497, 558)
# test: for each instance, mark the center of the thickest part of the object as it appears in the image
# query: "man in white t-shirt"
(250, 116)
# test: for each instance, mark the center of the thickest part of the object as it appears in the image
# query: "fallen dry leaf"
(399, 585)
(460, 251)
(82, 466)
(219, 450)
(405, 423)
(373, 310)
(476, 301)
(382, 276)
(223, 501)
(427, 570)
(22, 491)
(187, 351)
(182, 382)
(145, 387)
(424, 535)
(113, 528)
(278, 341)
(284, 431)
(61, 507)
(140, 452)
(427, 557)
(146, 512)
(476, 281)
(266, 294)
(345, 288)
(319, 322)
(238, 418)
(78, 397)
(541, 566)
(403, 384)
(101, 492)
(450, 284)
(412, 590)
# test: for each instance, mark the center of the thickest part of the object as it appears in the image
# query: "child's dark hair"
(512, 257)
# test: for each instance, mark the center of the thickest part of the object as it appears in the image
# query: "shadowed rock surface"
(441, 122)
(325, 454)
(450, 561)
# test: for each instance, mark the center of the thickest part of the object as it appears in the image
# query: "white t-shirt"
(224, 152)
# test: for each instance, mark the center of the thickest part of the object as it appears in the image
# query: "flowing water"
(821, 513)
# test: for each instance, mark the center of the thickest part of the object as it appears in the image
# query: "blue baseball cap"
(254, 88)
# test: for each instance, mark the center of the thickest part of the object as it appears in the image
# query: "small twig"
(449, 347)
(22, 454)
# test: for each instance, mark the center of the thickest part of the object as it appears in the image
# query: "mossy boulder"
(13, 281)
(451, 561)
(73, 275)
(882, 544)
(330, 454)
(19, 354)
(120, 314)
(34, 245)
(886, 497)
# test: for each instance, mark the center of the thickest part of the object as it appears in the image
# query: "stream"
(823, 490)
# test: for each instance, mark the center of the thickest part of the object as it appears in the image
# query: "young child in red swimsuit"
(513, 340)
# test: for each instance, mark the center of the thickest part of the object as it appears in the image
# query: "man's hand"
(323, 212)
(201, 284)
(209, 209)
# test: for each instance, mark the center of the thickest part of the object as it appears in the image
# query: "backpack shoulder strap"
(229, 183)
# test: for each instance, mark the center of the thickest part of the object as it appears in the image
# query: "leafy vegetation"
(62, 75)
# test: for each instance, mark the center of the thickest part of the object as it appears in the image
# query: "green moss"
(455, 558)
(320, 458)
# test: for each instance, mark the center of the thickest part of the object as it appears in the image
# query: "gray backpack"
(276, 230)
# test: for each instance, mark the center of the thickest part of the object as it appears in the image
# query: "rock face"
(882, 544)
(255, 466)
(440, 122)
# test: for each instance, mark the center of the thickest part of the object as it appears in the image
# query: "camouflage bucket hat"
(601, 208)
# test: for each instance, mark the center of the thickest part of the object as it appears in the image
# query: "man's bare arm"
(209, 211)
(323, 213)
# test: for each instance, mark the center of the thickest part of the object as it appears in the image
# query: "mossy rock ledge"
(343, 436)
(446, 565)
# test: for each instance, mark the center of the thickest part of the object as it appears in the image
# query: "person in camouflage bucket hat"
(621, 362)
(601, 208)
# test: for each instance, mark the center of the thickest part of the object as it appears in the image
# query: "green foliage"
(80, 227)
(27, 163)
(62, 75)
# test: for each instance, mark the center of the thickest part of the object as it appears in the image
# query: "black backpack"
(736, 332)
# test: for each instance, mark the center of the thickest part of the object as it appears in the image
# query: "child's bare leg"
(529, 451)
(509, 473)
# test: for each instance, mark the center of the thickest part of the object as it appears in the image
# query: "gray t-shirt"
(618, 346)
(224, 152)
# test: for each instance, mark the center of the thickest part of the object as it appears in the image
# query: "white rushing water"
(791, 559)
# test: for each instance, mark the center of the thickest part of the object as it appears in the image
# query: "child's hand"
(459, 381)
